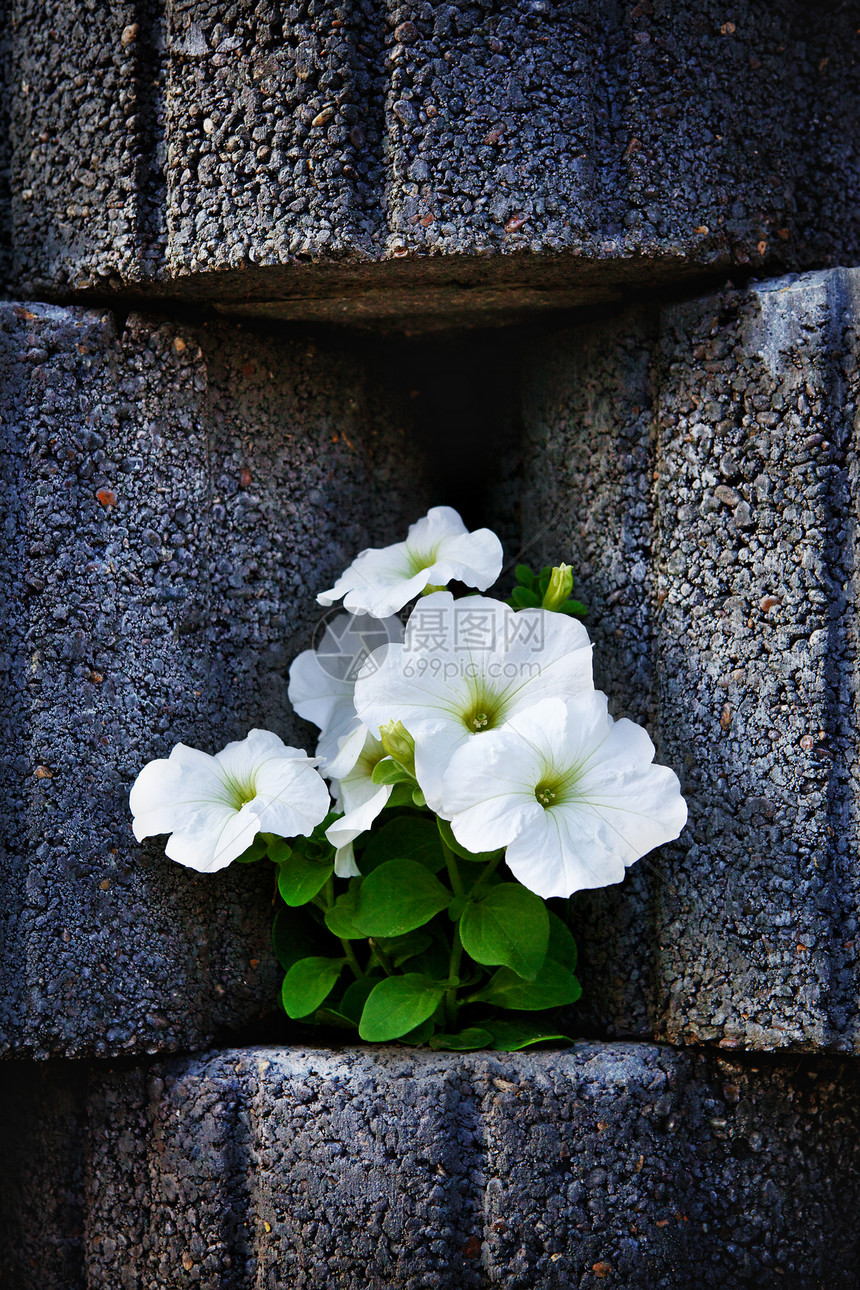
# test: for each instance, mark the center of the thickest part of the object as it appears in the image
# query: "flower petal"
(438, 548)
(359, 820)
(314, 692)
(213, 839)
(344, 862)
(609, 804)
(461, 655)
(169, 792)
(292, 797)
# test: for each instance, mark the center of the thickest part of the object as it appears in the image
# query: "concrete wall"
(697, 463)
(173, 498)
(176, 482)
(423, 158)
(629, 1165)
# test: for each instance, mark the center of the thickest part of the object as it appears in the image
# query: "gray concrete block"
(380, 160)
(629, 1164)
(172, 499)
(696, 464)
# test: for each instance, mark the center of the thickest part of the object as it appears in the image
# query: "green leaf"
(458, 904)
(525, 598)
(401, 795)
(464, 1042)
(511, 1036)
(447, 836)
(400, 948)
(295, 936)
(419, 1034)
(574, 607)
(389, 771)
(331, 1017)
(418, 797)
(355, 997)
(508, 927)
(399, 1004)
(299, 879)
(256, 851)
(435, 960)
(562, 946)
(278, 850)
(524, 575)
(340, 918)
(552, 987)
(307, 983)
(397, 897)
(409, 837)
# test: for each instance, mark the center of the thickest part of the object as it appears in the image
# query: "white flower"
(438, 549)
(465, 668)
(572, 794)
(361, 801)
(214, 807)
(322, 681)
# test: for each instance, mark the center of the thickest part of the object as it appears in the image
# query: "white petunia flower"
(214, 807)
(322, 681)
(438, 549)
(361, 801)
(466, 667)
(572, 794)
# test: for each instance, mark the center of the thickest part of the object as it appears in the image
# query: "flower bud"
(399, 744)
(560, 587)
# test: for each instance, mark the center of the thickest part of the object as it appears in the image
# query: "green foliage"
(307, 983)
(300, 878)
(340, 917)
(562, 946)
(438, 952)
(508, 926)
(553, 987)
(295, 936)
(256, 851)
(407, 837)
(399, 1004)
(510, 1036)
(401, 795)
(466, 1041)
(388, 771)
(398, 897)
(531, 588)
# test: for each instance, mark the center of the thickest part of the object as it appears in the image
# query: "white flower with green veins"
(465, 668)
(572, 794)
(438, 549)
(214, 807)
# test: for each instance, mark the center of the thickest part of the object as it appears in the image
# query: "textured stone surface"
(368, 159)
(697, 464)
(172, 498)
(625, 1164)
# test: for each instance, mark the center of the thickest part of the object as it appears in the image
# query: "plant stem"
(489, 868)
(351, 959)
(324, 901)
(451, 1005)
(381, 956)
(453, 870)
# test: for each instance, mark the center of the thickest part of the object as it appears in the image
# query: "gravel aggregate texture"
(366, 161)
(622, 1164)
(697, 464)
(171, 500)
